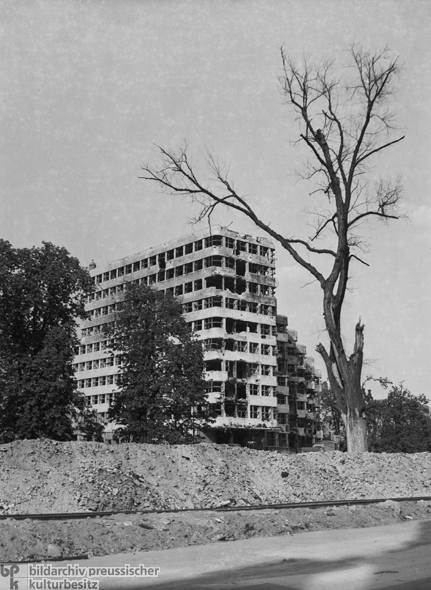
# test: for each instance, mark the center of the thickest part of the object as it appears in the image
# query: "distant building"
(226, 284)
(297, 384)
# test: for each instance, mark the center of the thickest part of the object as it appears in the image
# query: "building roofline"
(206, 232)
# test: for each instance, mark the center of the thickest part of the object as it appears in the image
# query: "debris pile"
(47, 476)
(44, 476)
(22, 540)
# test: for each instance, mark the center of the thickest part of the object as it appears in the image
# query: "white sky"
(88, 87)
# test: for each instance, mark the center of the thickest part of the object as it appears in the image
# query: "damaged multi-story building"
(298, 382)
(226, 284)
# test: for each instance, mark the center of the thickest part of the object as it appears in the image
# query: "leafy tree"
(161, 395)
(42, 292)
(345, 120)
(401, 423)
(88, 425)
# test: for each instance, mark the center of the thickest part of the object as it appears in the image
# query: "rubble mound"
(44, 476)
(33, 540)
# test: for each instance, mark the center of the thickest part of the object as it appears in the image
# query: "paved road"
(386, 557)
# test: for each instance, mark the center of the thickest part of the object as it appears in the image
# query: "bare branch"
(383, 381)
(385, 203)
(325, 224)
(379, 149)
(360, 260)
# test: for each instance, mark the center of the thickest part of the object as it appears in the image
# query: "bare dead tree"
(345, 120)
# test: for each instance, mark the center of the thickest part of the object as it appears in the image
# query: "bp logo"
(13, 577)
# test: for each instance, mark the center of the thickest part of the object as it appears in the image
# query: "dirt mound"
(48, 476)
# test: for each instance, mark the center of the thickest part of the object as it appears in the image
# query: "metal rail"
(320, 504)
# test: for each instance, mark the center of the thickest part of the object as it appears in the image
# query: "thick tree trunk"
(356, 432)
(344, 376)
(354, 419)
